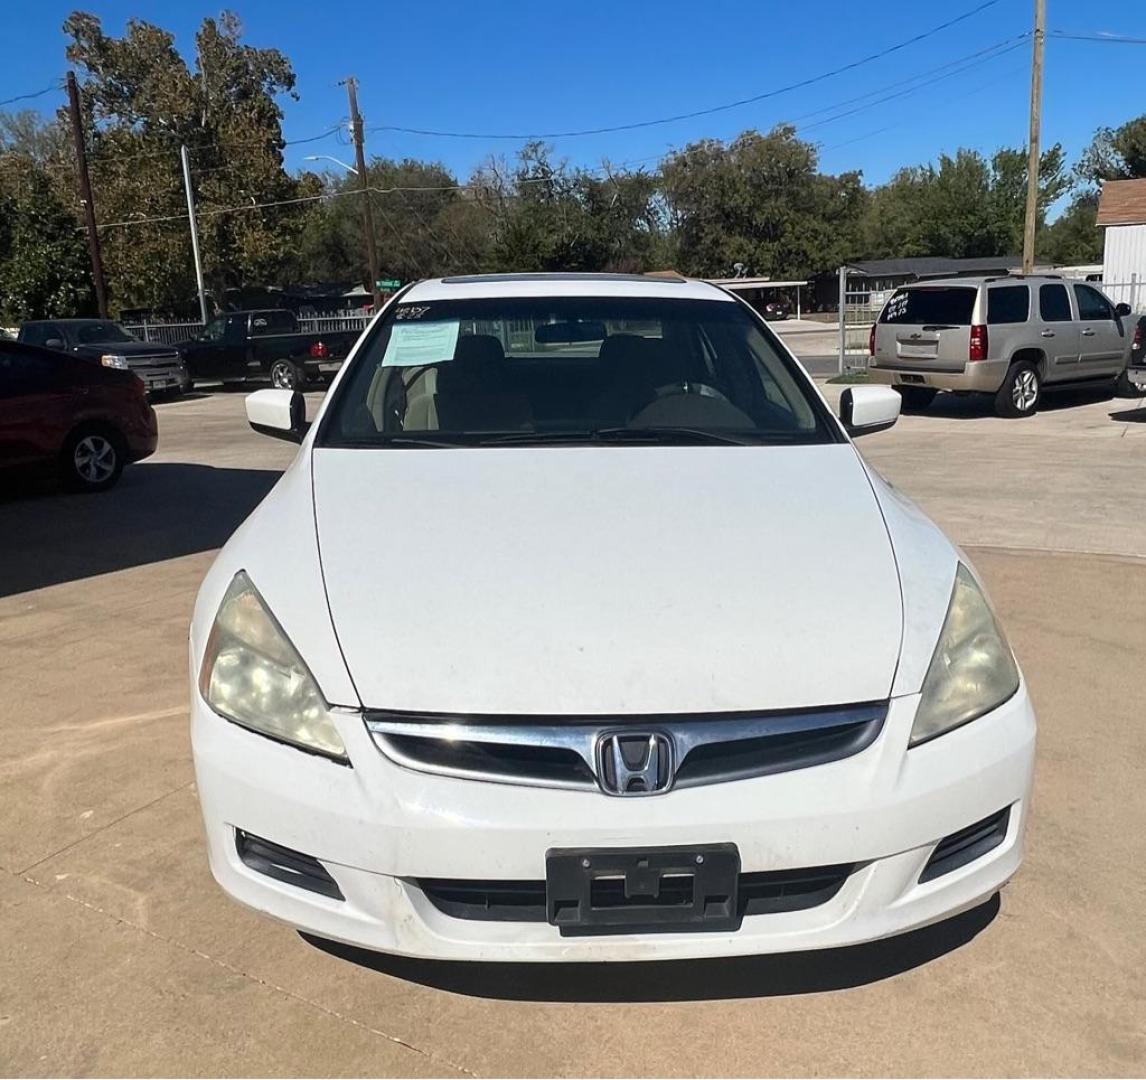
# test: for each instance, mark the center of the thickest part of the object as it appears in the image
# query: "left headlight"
(973, 670)
(252, 674)
(113, 360)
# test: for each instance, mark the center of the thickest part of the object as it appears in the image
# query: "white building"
(1122, 213)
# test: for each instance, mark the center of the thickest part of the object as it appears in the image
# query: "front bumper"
(377, 825)
(981, 377)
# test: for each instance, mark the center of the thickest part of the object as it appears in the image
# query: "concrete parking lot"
(118, 955)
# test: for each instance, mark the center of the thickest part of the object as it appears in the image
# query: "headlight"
(113, 360)
(972, 670)
(252, 674)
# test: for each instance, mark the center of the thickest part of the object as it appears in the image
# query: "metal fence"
(1132, 292)
(165, 333)
(168, 333)
(859, 307)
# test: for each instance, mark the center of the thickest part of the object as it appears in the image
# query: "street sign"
(387, 283)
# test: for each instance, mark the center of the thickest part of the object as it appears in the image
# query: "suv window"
(1054, 304)
(943, 304)
(213, 331)
(1092, 304)
(1008, 304)
(37, 333)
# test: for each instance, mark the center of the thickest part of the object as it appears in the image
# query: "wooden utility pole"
(358, 137)
(86, 193)
(1033, 142)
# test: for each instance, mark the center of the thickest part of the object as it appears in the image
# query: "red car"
(65, 412)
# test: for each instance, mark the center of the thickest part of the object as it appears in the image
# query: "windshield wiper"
(658, 436)
(406, 442)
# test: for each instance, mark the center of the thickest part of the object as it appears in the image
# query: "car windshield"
(565, 370)
(102, 332)
(948, 305)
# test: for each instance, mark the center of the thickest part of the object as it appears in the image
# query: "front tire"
(286, 375)
(92, 459)
(1020, 393)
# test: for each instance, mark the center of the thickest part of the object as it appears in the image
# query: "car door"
(34, 406)
(1058, 332)
(1102, 337)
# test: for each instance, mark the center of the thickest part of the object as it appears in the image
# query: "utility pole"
(86, 193)
(186, 159)
(1033, 142)
(358, 136)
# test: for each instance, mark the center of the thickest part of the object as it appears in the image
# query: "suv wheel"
(1019, 394)
(92, 459)
(916, 398)
(287, 376)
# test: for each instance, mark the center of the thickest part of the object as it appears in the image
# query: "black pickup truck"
(240, 345)
(105, 342)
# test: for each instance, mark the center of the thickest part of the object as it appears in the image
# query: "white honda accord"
(578, 629)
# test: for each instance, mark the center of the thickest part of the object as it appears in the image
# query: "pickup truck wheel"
(1020, 392)
(287, 376)
(1124, 388)
(92, 459)
(916, 398)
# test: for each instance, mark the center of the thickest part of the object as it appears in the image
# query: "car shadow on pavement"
(976, 406)
(682, 980)
(1135, 414)
(158, 511)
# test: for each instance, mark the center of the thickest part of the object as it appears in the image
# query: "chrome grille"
(562, 752)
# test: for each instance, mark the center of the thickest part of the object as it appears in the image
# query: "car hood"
(608, 580)
(126, 349)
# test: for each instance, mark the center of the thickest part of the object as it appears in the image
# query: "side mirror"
(865, 410)
(54, 343)
(1122, 310)
(278, 413)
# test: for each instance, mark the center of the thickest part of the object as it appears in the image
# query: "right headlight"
(253, 675)
(972, 671)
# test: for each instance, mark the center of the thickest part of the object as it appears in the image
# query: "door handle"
(1088, 333)
(1048, 333)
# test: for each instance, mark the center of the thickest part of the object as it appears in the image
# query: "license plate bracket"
(642, 890)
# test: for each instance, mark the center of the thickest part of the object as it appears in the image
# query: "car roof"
(492, 286)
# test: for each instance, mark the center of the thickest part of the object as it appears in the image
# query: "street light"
(327, 157)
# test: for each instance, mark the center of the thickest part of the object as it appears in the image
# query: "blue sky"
(528, 66)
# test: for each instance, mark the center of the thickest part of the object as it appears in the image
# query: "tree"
(965, 207)
(44, 269)
(761, 201)
(1073, 238)
(1115, 154)
(142, 102)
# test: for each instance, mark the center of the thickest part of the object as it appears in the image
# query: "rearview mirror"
(1122, 310)
(865, 410)
(566, 333)
(278, 413)
(53, 343)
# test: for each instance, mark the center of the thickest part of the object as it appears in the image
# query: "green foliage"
(1073, 239)
(1115, 154)
(966, 207)
(142, 102)
(44, 269)
(760, 201)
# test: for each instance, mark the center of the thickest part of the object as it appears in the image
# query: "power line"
(174, 150)
(28, 97)
(697, 112)
(1105, 39)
